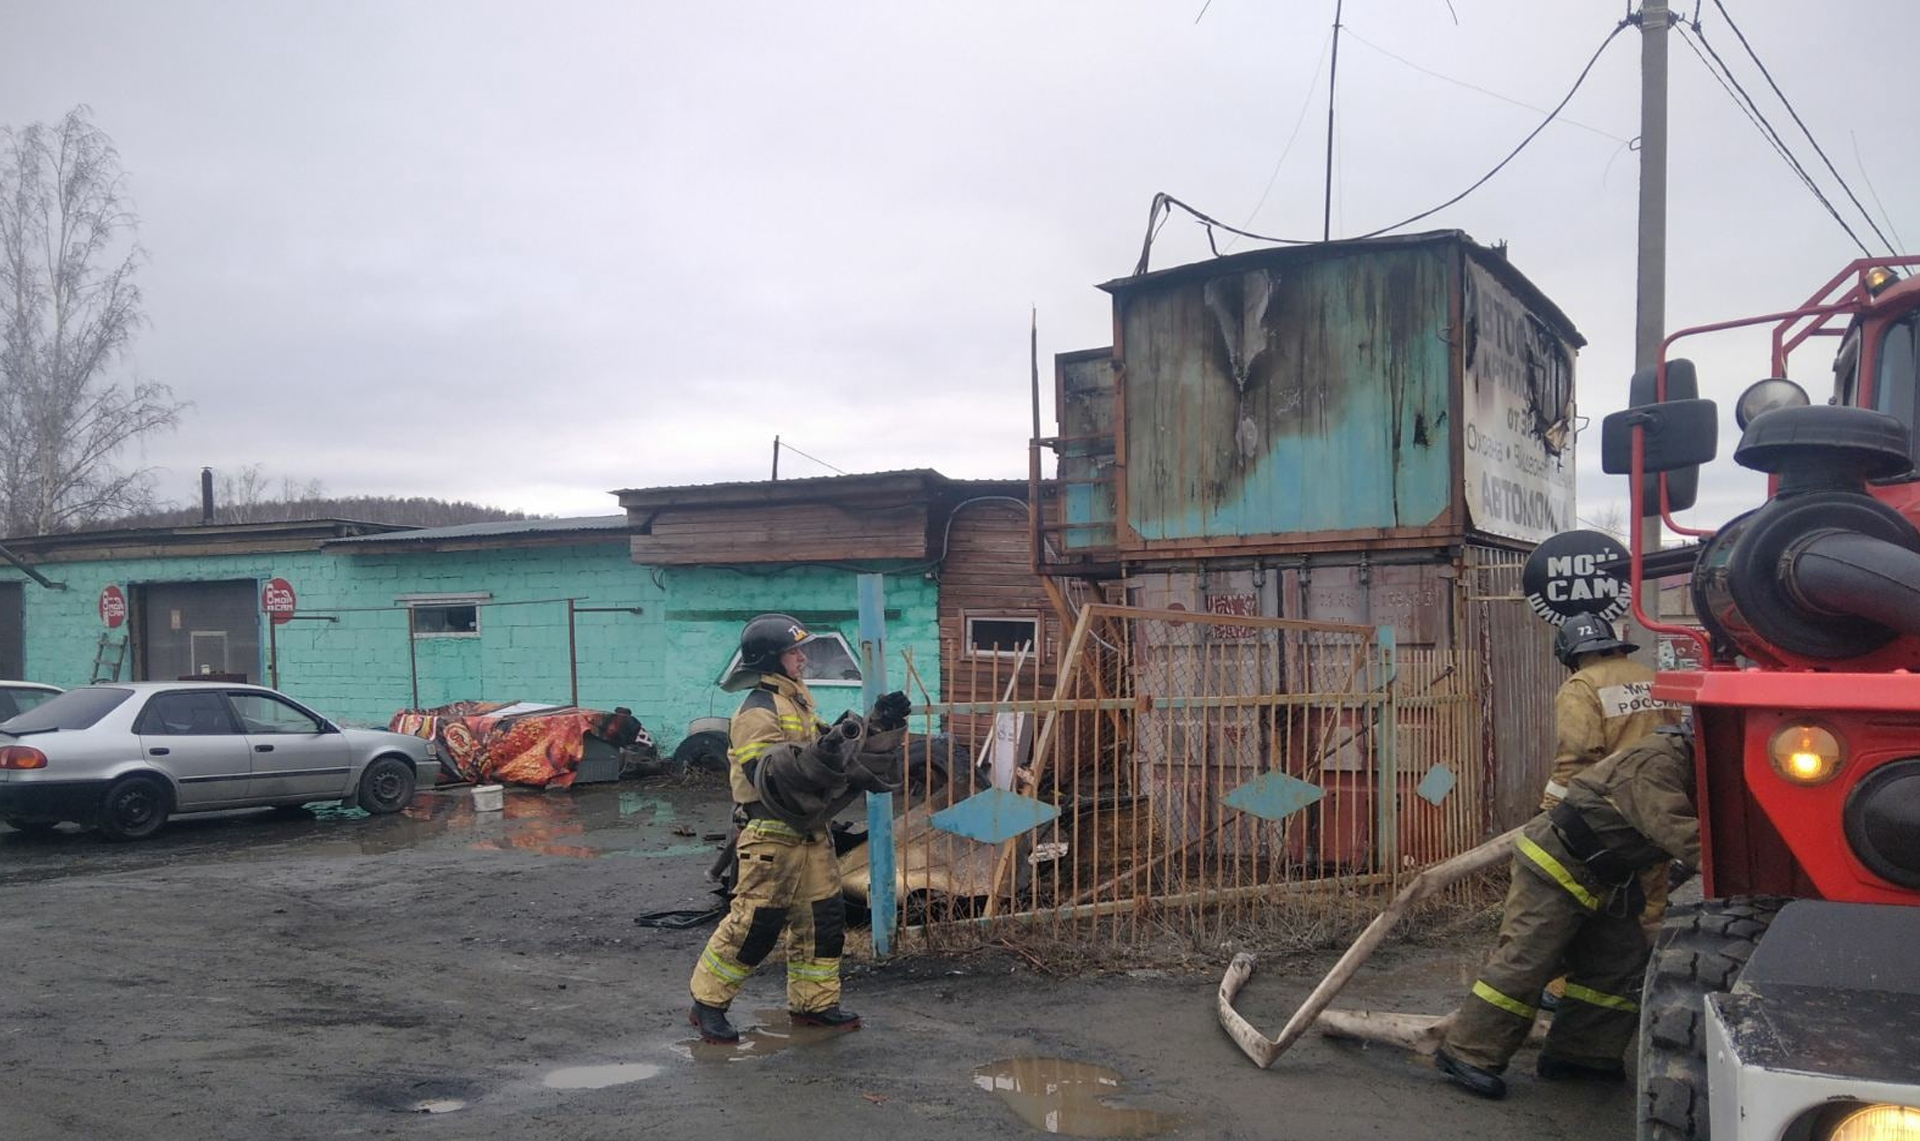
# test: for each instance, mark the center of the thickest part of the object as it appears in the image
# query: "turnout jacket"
(1637, 804)
(778, 711)
(1601, 709)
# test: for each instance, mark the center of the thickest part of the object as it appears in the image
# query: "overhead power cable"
(1353, 35)
(1759, 118)
(1300, 120)
(1163, 202)
(1798, 122)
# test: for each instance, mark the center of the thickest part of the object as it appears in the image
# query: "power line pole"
(1333, 73)
(1650, 293)
(776, 457)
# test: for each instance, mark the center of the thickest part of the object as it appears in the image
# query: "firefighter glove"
(890, 711)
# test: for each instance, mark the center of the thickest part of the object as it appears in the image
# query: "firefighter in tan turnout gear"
(1575, 906)
(1606, 705)
(791, 772)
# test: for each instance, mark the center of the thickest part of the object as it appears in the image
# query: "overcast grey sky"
(525, 254)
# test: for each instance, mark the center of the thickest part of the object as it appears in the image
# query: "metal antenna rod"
(1333, 73)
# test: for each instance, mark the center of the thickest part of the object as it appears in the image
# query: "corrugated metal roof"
(1496, 262)
(821, 481)
(515, 527)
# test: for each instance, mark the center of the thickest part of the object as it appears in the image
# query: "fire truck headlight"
(1879, 1123)
(1882, 819)
(1805, 754)
(1765, 396)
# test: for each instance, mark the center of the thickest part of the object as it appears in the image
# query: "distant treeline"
(417, 510)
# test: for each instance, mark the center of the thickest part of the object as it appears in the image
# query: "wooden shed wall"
(989, 572)
(791, 532)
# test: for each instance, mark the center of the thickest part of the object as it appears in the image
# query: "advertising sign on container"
(1518, 430)
(1240, 604)
(113, 607)
(277, 599)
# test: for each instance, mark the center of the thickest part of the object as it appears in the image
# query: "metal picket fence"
(1190, 775)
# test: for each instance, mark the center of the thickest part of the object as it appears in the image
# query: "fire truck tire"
(1701, 951)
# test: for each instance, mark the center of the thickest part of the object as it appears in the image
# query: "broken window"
(1001, 635)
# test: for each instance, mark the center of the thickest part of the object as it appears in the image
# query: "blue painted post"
(1388, 731)
(873, 674)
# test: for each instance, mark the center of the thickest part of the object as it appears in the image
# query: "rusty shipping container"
(1394, 392)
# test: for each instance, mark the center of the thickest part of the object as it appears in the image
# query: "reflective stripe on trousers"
(1545, 861)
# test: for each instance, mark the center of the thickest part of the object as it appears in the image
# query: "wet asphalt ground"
(447, 974)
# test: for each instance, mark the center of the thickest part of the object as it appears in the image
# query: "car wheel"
(135, 808)
(33, 827)
(386, 786)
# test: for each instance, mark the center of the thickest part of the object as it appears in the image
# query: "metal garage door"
(198, 628)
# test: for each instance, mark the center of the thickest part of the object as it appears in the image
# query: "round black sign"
(1563, 578)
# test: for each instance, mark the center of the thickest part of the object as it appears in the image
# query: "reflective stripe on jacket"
(779, 711)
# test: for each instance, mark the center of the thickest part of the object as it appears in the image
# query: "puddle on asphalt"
(1069, 1098)
(771, 1032)
(600, 1077)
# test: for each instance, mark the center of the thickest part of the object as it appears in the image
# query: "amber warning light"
(1805, 754)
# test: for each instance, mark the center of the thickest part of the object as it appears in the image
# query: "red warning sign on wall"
(113, 607)
(278, 600)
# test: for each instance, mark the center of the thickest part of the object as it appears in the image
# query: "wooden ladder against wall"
(109, 657)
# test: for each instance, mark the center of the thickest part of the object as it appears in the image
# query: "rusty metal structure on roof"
(1368, 432)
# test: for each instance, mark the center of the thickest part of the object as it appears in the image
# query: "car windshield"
(74, 709)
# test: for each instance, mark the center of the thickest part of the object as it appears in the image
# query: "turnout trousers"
(1552, 924)
(789, 885)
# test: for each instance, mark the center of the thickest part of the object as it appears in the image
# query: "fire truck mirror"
(1680, 434)
(1683, 383)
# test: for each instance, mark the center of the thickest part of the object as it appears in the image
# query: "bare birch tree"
(69, 307)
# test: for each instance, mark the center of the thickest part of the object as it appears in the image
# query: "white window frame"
(414, 602)
(733, 663)
(969, 617)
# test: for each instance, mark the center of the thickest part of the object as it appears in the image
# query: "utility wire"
(1353, 35)
(786, 447)
(1798, 122)
(1766, 132)
(1299, 121)
(1773, 135)
(1868, 179)
(1163, 201)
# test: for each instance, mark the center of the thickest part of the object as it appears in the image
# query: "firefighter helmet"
(1586, 634)
(762, 641)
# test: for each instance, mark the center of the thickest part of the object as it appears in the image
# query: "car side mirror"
(1680, 435)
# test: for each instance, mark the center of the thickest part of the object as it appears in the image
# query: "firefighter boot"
(1473, 1079)
(712, 1023)
(833, 1018)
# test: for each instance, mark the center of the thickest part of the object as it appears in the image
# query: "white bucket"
(488, 797)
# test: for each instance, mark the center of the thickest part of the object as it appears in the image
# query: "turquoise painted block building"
(390, 618)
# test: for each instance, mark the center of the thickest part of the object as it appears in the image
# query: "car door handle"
(158, 752)
(263, 748)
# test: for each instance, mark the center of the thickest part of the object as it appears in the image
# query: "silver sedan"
(126, 757)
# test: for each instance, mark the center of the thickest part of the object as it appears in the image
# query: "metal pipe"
(413, 659)
(573, 660)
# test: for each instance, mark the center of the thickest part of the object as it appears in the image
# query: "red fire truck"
(1806, 701)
